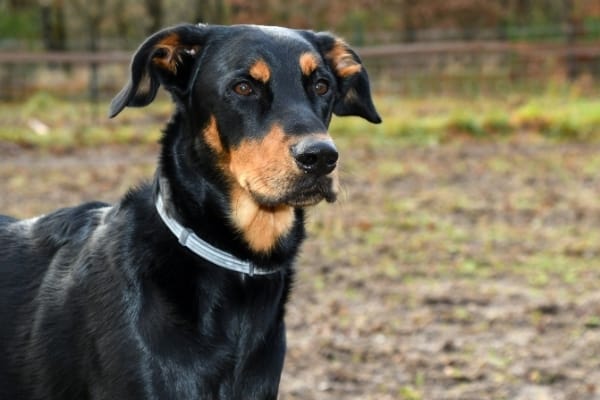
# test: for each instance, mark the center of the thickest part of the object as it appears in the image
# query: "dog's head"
(261, 99)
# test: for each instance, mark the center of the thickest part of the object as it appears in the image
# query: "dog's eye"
(321, 87)
(243, 89)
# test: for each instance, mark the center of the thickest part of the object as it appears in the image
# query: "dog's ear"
(166, 58)
(354, 92)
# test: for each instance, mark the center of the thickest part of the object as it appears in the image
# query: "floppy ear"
(166, 58)
(354, 92)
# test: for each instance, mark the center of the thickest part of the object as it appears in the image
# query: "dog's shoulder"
(5, 220)
(56, 229)
(70, 225)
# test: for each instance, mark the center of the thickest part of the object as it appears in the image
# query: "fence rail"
(420, 67)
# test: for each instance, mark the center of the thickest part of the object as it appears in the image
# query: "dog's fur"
(100, 301)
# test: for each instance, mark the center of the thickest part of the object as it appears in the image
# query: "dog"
(178, 291)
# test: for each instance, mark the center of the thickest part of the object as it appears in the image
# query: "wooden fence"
(418, 68)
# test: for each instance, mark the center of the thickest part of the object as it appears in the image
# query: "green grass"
(434, 120)
(44, 121)
(47, 122)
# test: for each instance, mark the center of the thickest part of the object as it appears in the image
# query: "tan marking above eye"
(260, 71)
(308, 63)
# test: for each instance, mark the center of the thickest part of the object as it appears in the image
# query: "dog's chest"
(221, 370)
(237, 333)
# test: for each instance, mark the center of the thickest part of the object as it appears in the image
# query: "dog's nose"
(315, 156)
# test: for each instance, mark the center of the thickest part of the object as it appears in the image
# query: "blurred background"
(411, 47)
(463, 258)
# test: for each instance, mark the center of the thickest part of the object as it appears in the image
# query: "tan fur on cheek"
(261, 227)
(211, 136)
(263, 165)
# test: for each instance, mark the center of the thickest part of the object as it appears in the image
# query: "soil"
(465, 270)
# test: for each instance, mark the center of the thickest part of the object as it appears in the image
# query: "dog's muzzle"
(316, 158)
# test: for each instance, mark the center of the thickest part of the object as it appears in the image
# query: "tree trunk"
(54, 32)
(571, 36)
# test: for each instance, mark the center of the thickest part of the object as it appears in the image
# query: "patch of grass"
(593, 322)
(563, 118)
(496, 122)
(429, 121)
(462, 122)
(45, 121)
(410, 393)
(542, 269)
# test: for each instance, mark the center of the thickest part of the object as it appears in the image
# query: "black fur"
(101, 301)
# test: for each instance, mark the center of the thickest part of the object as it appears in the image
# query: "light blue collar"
(189, 239)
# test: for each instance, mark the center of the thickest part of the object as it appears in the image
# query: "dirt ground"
(466, 270)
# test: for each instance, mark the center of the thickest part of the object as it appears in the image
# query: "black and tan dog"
(178, 291)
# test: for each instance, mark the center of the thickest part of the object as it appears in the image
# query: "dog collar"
(189, 239)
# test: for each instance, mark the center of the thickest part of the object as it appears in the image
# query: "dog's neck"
(261, 226)
(201, 248)
(189, 239)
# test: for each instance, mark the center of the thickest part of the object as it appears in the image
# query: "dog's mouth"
(306, 195)
(302, 193)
